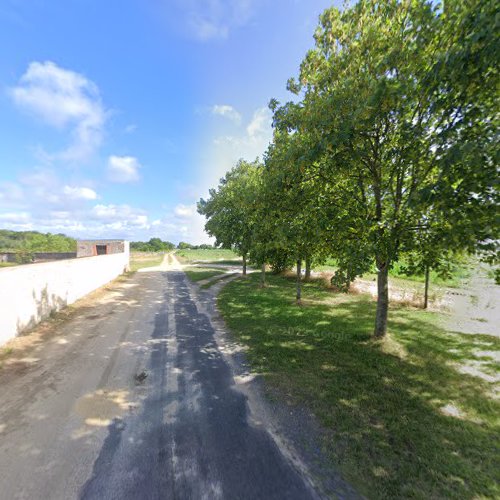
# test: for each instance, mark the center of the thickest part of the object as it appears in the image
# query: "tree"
(298, 213)
(230, 209)
(153, 245)
(29, 242)
(390, 133)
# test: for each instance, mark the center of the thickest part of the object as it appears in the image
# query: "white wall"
(31, 292)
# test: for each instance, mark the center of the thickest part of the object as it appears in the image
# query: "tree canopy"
(389, 149)
(34, 241)
(153, 245)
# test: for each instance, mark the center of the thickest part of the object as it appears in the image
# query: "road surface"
(133, 399)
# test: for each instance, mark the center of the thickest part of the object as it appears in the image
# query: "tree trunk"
(263, 276)
(244, 264)
(382, 299)
(307, 276)
(299, 279)
(426, 289)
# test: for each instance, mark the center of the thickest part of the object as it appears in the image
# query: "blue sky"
(117, 116)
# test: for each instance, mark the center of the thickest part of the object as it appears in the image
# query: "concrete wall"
(30, 293)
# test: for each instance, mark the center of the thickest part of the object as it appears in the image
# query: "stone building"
(90, 248)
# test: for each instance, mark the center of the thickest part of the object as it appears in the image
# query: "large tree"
(298, 208)
(394, 135)
(231, 208)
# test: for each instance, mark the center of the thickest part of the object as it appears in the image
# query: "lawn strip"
(402, 421)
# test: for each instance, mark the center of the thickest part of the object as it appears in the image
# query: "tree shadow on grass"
(401, 426)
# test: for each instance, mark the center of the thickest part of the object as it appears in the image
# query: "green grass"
(459, 273)
(380, 402)
(202, 273)
(7, 264)
(139, 260)
(216, 280)
(206, 254)
(232, 262)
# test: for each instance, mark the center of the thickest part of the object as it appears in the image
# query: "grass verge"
(400, 419)
(202, 273)
(7, 264)
(138, 260)
(216, 280)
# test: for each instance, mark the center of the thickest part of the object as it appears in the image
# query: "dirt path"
(475, 309)
(133, 397)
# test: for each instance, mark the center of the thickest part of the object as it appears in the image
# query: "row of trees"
(188, 246)
(158, 245)
(389, 150)
(153, 245)
(34, 241)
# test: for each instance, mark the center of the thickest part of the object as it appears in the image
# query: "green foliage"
(24, 257)
(231, 208)
(153, 245)
(398, 139)
(33, 241)
(388, 154)
(280, 260)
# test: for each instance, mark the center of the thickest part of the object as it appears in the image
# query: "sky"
(116, 117)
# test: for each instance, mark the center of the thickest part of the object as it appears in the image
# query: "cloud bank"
(65, 100)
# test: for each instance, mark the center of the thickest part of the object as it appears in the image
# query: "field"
(459, 273)
(139, 260)
(412, 416)
(209, 255)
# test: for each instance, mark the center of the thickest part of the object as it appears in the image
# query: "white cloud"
(123, 214)
(66, 100)
(224, 151)
(184, 211)
(79, 193)
(43, 187)
(260, 125)
(123, 169)
(215, 19)
(227, 112)
(50, 205)
(15, 217)
(11, 194)
(183, 223)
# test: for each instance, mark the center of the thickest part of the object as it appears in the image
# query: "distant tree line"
(388, 153)
(34, 241)
(153, 245)
(187, 246)
(158, 245)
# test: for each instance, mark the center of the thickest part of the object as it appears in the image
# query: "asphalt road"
(133, 399)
